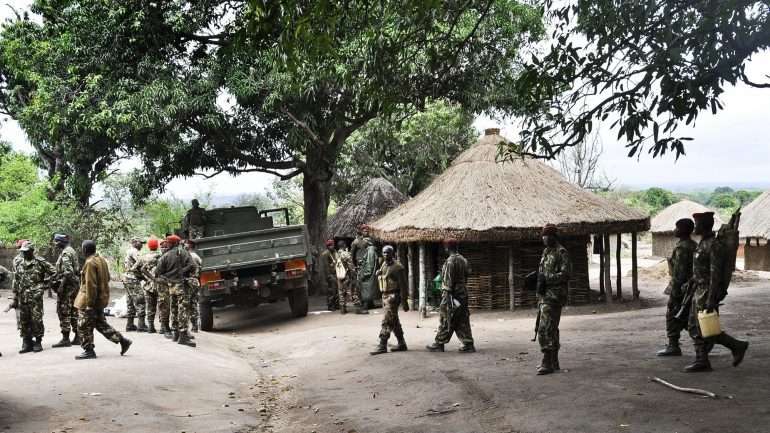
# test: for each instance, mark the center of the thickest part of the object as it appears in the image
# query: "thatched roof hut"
(755, 230)
(662, 227)
(375, 199)
(496, 210)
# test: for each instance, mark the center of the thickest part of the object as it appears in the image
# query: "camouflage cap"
(27, 246)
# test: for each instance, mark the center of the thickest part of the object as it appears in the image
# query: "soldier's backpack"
(339, 269)
(726, 242)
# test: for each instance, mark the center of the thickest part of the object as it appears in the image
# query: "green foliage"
(164, 215)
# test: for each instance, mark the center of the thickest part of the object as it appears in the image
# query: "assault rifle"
(535, 281)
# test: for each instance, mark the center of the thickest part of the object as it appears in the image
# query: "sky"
(731, 148)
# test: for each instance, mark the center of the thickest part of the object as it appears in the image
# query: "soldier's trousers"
(31, 317)
(91, 319)
(332, 299)
(548, 331)
(458, 322)
(65, 309)
(390, 320)
(195, 232)
(346, 291)
(180, 306)
(151, 304)
(135, 303)
(164, 302)
(674, 327)
(194, 287)
(704, 345)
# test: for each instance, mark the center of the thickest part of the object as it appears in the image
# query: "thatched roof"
(480, 199)
(664, 221)
(375, 199)
(755, 218)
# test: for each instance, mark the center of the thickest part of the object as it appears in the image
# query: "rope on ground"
(697, 391)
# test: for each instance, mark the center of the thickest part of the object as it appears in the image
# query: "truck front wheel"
(298, 302)
(206, 315)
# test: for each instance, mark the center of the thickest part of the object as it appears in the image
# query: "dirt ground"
(263, 371)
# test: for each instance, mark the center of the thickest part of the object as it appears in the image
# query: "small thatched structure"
(375, 199)
(662, 227)
(755, 230)
(497, 210)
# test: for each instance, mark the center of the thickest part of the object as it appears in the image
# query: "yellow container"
(709, 324)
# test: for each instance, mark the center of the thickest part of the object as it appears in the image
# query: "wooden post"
(510, 276)
(600, 239)
(634, 268)
(410, 272)
(617, 264)
(607, 267)
(423, 281)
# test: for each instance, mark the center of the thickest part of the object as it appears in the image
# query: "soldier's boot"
(435, 347)
(37, 346)
(142, 326)
(175, 336)
(701, 362)
(185, 340)
(164, 328)
(130, 327)
(87, 354)
(381, 348)
(546, 366)
(125, 343)
(737, 347)
(555, 360)
(76, 340)
(194, 326)
(64, 342)
(151, 325)
(361, 309)
(467, 348)
(671, 349)
(401, 346)
(26, 345)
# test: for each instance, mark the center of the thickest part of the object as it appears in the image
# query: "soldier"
(93, 296)
(194, 221)
(394, 291)
(148, 262)
(327, 276)
(67, 273)
(5, 279)
(132, 281)
(345, 272)
(552, 277)
(194, 284)
(367, 280)
(32, 275)
(358, 247)
(454, 314)
(164, 298)
(175, 267)
(707, 295)
(680, 269)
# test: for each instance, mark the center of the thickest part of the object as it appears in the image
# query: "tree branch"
(316, 139)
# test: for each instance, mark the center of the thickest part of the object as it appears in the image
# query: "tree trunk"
(316, 192)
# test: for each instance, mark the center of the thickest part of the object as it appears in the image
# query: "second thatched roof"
(480, 199)
(375, 199)
(755, 218)
(665, 220)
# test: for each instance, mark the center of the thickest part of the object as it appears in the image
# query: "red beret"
(550, 230)
(152, 244)
(173, 239)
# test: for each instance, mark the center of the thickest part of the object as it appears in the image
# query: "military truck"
(247, 260)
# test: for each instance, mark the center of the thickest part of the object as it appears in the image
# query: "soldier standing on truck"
(175, 266)
(194, 221)
(194, 284)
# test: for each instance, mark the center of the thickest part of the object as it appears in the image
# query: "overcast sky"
(731, 148)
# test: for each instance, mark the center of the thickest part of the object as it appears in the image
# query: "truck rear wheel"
(206, 315)
(298, 302)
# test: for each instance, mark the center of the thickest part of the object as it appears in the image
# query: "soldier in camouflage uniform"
(194, 284)
(32, 275)
(326, 273)
(454, 314)
(346, 285)
(553, 276)
(93, 296)
(147, 264)
(175, 267)
(707, 296)
(164, 298)
(132, 281)
(394, 293)
(680, 269)
(67, 274)
(195, 221)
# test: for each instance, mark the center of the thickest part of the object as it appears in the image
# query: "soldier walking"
(194, 284)
(67, 285)
(706, 280)
(148, 262)
(345, 272)
(194, 222)
(132, 281)
(394, 292)
(93, 296)
(32, 275)
(680, 270)
(453, 310)
(175, 267)
(552, 277)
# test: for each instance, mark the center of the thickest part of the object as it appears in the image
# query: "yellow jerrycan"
(709, 324)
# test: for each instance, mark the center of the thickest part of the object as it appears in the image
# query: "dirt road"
(315, 374)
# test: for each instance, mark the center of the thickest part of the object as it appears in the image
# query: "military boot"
(401, 346)
(381, 348)
(76, 339)
(125, 343)
(546, 366)
(130, 327)
(164, 330)
(467, 348)
(701, 361)
(64, 342)
(87, 354)
(142, 327)
(194, 327)
(361, 309)
(343, 309)
(435, 347)
(37, 346)
(151, 325)
(26, 345)
(737, 347)
(671, 349)
(175, 336)
(185, 340)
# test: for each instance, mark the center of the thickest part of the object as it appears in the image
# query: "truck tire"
(206, 315)
(298, 302)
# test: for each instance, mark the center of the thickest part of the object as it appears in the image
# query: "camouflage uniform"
(454, 276)
(680, 266)
(346, 286)
(175, 267)
(147, 264)
(327, 275)
(393, 294)
(132, 281)
(358, 252)
(555, 270)
(68, 272)
(194, 284)
(195, 222)
(30, 280)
